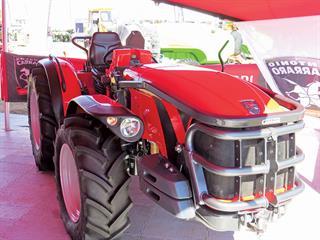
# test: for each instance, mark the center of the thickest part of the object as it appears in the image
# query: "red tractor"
(205, 145)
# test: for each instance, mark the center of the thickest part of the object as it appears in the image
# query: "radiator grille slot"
(286, 146)
(252, 152)
(231, 153)
(214, 150)
(226, 189)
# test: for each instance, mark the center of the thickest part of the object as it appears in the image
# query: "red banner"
(15, 73)
(248, 72)
(15, 70)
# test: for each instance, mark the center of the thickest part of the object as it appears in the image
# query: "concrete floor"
(29, 209)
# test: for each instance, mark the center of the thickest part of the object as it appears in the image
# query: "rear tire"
(103, 180)
(42, 123)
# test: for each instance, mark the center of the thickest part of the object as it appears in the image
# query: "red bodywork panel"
(145, 107)
(144, 104)
(148, 112)
(204, 90)
(124, 57)
(86, 79)
(249, 10)
(176, 121)
(98, 105)
(72, 69)
(77, 63)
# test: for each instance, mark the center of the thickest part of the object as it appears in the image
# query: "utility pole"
(48, 20)
(5, 49)
(178, 14)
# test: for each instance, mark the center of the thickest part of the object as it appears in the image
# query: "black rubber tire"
(104, 182)
(44, 155)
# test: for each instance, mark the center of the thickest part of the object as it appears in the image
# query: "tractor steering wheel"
(109, 52)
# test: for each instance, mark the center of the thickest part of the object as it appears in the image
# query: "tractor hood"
(206, 91)
(249, 10)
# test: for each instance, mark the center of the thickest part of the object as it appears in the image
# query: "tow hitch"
(257, 222)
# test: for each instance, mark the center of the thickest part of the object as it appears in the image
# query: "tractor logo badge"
(251, 106)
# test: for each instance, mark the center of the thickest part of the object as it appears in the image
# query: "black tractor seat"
(102, 43)
(100, 57)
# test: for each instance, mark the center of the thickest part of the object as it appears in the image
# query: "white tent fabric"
(287, 52)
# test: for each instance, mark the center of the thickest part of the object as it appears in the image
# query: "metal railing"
(268, 168)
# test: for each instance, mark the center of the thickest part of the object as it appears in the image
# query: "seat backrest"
(101, 43)
(135, 40)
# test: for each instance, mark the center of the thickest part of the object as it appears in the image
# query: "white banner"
(287, 52)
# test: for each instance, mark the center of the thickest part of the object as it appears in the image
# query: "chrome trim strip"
(234, 206)
(229, 172)
(198, 182)
(290, 162)
(257, 203)
(242, 135)
(283, 197)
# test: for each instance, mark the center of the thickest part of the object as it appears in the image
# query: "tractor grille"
(244, 169)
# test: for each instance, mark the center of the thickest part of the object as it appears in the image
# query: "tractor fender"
(100, 107)
(63, 83)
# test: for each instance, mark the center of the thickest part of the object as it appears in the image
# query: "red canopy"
(252, 9)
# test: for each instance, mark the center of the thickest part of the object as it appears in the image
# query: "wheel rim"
(69, 179)
(35, 119)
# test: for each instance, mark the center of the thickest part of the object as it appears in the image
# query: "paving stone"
(7, 178)
(127, 236)
(9, 211)
(213, 235)
(139, 216)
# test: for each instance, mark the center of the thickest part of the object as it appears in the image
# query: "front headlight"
(130, 127)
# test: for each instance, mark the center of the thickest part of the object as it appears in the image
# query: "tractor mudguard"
(63, 84)
(101, 107)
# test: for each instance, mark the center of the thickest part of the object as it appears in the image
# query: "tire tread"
(48, 126)
(103, 178)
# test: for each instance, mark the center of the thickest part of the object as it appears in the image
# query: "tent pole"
(4, 27)
(7, 116)
(5, 49)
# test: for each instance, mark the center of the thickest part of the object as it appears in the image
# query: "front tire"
(100, 209)
(42, 123)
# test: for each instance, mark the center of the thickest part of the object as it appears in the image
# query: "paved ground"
(19, 108)
(29, 210)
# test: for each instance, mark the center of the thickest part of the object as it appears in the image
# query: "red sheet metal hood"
(207, 91)
(249, 10)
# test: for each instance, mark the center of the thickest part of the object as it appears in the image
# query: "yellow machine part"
(273, 107)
